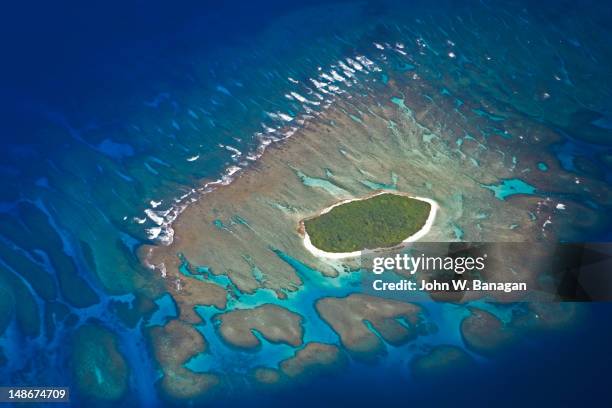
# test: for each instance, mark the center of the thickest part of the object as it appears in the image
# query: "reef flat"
(346, 315)
(275, 324)
(174, 344)
(336, 158)
(245, 234)
(314, 359)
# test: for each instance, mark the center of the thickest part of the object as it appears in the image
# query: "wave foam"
(329, 85)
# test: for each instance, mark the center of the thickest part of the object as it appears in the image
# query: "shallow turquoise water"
(510, 187)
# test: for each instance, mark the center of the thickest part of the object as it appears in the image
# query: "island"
(379, 221)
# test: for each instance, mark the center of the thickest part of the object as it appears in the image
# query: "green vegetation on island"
(381, 221)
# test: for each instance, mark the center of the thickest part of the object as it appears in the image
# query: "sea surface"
(118, 115)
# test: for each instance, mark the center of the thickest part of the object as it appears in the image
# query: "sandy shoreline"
(343, 255)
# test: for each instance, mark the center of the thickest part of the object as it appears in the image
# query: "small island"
(382, 220)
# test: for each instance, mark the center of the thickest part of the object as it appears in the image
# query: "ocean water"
(116, 118)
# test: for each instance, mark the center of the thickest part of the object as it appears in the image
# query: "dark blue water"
(113, 113)
(568, 368)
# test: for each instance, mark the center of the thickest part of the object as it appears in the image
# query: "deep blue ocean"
(113, 113)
